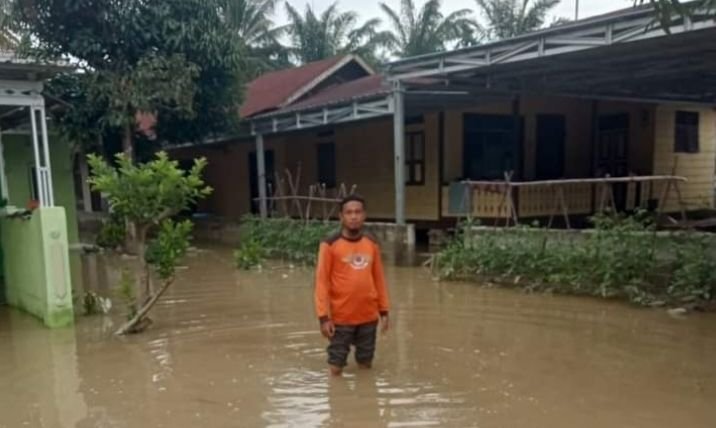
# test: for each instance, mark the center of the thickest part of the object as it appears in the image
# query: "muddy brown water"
(241, 349)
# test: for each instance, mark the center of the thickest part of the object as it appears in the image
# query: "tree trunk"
(130, 241)
(139, 322)
(142, 274)
(128, 142)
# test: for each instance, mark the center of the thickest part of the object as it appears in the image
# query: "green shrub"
(112, 233)
(621, 257)
(282, 238)
(249, 255)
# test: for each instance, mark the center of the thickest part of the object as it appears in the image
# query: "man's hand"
(384, 323)
(328, 329)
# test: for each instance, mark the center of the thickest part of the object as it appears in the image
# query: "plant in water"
(694, 276)
(94, 304)
(622, 257)
(281, 238)
(250, 254)
(145, 196)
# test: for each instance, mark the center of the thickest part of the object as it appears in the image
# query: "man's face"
(353, 216)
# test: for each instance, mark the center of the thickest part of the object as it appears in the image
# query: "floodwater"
(242, 349)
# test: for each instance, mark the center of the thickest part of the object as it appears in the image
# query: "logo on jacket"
(358, 261)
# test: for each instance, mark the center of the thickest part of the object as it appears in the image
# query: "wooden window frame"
(686, 134)
(412, 162)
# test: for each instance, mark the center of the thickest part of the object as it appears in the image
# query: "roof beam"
(629, 26)
(289, 121)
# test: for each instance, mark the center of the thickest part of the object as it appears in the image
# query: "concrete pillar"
(261, 170)
(399, 152)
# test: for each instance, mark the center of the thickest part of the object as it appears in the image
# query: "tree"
(315, 37)
(667, 9)
(8, 39)
(260, 38)
(417, 32)
(510, 18)
(147, 196)
(174, 60)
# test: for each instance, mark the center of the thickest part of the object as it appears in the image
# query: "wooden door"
(613, 152)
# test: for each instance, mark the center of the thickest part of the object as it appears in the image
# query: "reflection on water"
(242, 349)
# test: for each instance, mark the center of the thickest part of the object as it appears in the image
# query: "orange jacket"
(350, 283)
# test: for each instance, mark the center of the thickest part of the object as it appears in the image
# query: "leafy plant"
(666, 10)
(94, 304)
(622, 257)
(280, 238)
(169, 246)
(145, 196)
(510, 18)
(249, 255)
(694, 276)
(417, 31)
(172, 61)
(330, 33)
(112, 233)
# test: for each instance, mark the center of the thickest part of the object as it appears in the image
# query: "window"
(415, 158)
(551, 135)
(417, 119)
(491, 146)
(686, 132)
(327, 164)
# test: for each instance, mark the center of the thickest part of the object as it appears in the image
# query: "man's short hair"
(351, 198)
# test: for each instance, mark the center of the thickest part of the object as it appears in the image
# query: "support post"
(36, 153)
(41, 149)
(4, 193)
(46, 151)
(399, 152)
(261, 170)
(84, 176)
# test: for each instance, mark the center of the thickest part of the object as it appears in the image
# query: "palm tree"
(510, 18)
(315, 37)
(8, 39)
(428, 30)
(667, 9)
(252, 21)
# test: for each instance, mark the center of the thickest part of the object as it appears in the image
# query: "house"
(611, 96)
(38, 218)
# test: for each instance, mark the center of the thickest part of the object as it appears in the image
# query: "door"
(613, 152)
(491, 146)
(551, 135)
(254, 178)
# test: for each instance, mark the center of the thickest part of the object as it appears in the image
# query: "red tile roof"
(271, 90)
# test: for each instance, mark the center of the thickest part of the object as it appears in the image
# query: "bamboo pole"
(630, 179)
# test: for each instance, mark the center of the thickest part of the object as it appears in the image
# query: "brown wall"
(364, 155)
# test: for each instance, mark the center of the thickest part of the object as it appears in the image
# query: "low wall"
(36, 265)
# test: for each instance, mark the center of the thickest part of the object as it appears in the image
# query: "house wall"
(364, 157)
(698, 168)
(36, 266)
(19, 158)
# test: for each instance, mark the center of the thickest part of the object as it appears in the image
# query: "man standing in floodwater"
(351, 296)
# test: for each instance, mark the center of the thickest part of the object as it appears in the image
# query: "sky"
(370, 8)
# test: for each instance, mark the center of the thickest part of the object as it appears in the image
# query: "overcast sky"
(370, 9)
